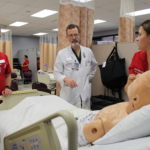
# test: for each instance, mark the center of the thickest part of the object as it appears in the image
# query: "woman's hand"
(6, 92)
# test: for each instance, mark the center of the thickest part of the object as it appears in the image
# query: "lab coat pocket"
(86, 93)
(88, 67)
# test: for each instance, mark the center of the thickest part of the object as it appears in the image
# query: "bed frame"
(42, 135)
(17, 96)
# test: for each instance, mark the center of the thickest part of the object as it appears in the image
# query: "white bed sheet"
(136, 144)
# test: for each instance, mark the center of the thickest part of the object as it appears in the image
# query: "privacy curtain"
(48, 47)
(126, 22)
(71, 12)
(6, 45)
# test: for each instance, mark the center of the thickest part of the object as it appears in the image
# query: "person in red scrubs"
(38, 63)
(5, 76)
(25, 65)
(141, 60)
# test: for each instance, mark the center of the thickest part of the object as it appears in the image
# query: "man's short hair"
(72, 26)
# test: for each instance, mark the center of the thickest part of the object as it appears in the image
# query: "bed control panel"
(34, 137)
(31, 143)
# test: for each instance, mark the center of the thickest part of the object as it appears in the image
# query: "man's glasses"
(73, 35)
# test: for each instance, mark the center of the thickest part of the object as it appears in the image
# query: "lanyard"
(78, 57)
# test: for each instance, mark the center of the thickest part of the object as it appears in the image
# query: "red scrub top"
(26, 62)
(4, 70)
(139, 63)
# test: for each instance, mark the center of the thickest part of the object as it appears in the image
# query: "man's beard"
(75, 43)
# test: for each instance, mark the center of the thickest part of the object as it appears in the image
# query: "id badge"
(75, 66)
(2, 61)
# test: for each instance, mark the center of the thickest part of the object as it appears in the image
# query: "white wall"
(23, 43)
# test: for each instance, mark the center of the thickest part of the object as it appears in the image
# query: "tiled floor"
(25, 86)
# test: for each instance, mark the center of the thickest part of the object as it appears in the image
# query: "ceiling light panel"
(4, 30)
(82, 1)
(40, 33)
(140, 12)
(18, 24)
(99, 21)
(44, 13)
(55, 29)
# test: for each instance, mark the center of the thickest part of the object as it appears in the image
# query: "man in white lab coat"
(74, 68)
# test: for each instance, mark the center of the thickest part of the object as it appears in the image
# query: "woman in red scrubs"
(141, 60)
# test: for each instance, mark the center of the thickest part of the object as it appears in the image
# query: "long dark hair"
(146, 26)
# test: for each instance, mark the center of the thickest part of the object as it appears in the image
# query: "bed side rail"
(10, 101)
(42, 135)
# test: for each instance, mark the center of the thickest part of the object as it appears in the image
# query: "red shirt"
(26, 62)
(4, 70)
(139, 63)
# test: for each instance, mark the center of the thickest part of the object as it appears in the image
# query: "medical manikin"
(102, 121)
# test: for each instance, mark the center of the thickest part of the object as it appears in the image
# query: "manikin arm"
(105, 119)
(94, 130)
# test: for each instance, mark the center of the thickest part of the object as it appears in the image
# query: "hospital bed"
(46, 77)
(132, 133)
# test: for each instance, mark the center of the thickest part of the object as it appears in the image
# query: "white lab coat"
(67, 65)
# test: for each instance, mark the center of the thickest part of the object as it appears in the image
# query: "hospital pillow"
(135, 125)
